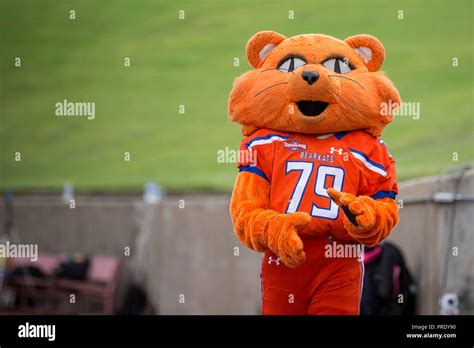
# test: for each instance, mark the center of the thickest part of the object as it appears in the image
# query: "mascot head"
(313, 84)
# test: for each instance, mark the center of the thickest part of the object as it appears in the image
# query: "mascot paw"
(360, 213)
(287, 244)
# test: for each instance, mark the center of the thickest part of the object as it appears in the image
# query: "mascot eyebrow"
(292, 55)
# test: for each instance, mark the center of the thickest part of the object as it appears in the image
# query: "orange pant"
(322, 285)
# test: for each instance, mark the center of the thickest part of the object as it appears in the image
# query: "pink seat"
(101, 279)
(103, 269)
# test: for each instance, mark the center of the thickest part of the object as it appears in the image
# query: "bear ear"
(369, 49)
(260, 45)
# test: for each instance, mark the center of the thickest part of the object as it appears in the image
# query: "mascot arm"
(367, 220)
(261, 228)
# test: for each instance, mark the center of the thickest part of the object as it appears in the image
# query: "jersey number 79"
(306, 170)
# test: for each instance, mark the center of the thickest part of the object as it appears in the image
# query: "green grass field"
(190, 62)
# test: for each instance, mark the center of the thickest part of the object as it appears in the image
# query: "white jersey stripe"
(325, 136)
(266, 141)
(369, 165)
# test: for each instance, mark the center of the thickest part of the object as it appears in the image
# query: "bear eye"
(338, 65)
(291, 64)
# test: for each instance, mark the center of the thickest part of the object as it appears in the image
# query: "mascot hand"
(361, 216)
(283, 239)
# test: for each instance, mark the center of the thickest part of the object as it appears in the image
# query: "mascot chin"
(316, 182)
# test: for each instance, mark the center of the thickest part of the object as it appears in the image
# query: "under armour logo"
(277, 260)
(339, 151)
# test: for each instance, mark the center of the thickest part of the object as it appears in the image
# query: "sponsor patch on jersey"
(294, 145)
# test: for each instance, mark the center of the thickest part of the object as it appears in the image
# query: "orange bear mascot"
(312, 111)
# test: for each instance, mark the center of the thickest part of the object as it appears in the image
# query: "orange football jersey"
(301, 167)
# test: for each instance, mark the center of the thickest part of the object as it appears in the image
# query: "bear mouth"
(311, 108)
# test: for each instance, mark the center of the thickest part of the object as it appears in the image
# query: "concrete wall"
(174, 251)
(190, 253)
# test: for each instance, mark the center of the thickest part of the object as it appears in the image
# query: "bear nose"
(310, 76)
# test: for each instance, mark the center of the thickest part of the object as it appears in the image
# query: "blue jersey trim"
(253, 169)
(340, 135)
(384, 194)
